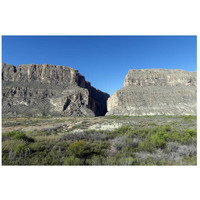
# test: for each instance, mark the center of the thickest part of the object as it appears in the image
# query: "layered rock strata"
(155, 92)
(49, 90)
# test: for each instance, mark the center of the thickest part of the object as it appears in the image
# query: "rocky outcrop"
(42, 90)
(160, 77)
(155, 92)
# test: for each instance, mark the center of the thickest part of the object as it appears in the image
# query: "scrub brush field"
(109, 140)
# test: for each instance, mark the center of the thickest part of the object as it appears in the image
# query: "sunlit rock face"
(49, 90)
(155, 92)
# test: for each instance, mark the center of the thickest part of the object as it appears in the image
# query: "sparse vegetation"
(155, 140)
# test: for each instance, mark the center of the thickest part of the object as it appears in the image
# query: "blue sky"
(103, 60)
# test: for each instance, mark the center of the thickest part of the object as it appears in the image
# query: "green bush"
(187, 160)
(94, 160)
(141, 133)
(124, 129)
(127, 161)
(72, 160)
(189, 118)
(182, 137)
(97, 148)
(17, 135)
(77, 148)
(20, 148)
(110, 161)
(141, 143)
(146, 145)
(152, 124)
(36, 147)
(159, 139)
(192, 132)
(148, 161)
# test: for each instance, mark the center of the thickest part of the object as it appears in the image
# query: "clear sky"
(103, 60)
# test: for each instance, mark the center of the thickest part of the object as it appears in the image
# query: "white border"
(100, 18)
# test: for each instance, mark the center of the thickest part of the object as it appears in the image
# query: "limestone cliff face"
(155, 92)
(37, 90)
(160, 77)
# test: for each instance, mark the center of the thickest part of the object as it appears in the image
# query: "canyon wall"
(49, 90)
(155, 92)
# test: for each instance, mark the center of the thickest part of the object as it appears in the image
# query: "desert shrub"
(159, 139)
(146, 145)
(144, 157)
(94, 160)
(127, 161)
(140, 133)
(8, 135)
(59, 120)
(124, 129)
(39, 158)
(17, 154)
(148, 161)
(17, 135)
(110, 161)
(88, 151)
(77, 148)
(111, 151)
(140, 143)
(159, 157)
(189, 118)
(133, 142)
(126, 151)
(191, 132)
(146, 132)
(11, 156)
(87, 135)
(172, 155)
(36, 146)
(53, 158)
(97, 148)
(118, 117)
(152, 124)
(119, 142)
(186, 150)
(166, 128)
(187, 160)
(20, 148)
(172, 147)
(22, 136)
(8, 144)
(175, 136)
(182, 137)
(72, 160)
(45, 157)
(53, 130)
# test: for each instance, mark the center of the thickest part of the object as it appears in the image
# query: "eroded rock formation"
(42, 90)
(155, 92)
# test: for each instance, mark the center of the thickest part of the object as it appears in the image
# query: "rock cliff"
(43, 90)
(155, 92)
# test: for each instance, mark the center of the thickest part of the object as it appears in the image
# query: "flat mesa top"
(159, 70)
(38, 66)
(149, 77)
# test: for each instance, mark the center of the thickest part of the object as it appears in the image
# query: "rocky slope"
(155, 92)
(42, 90)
